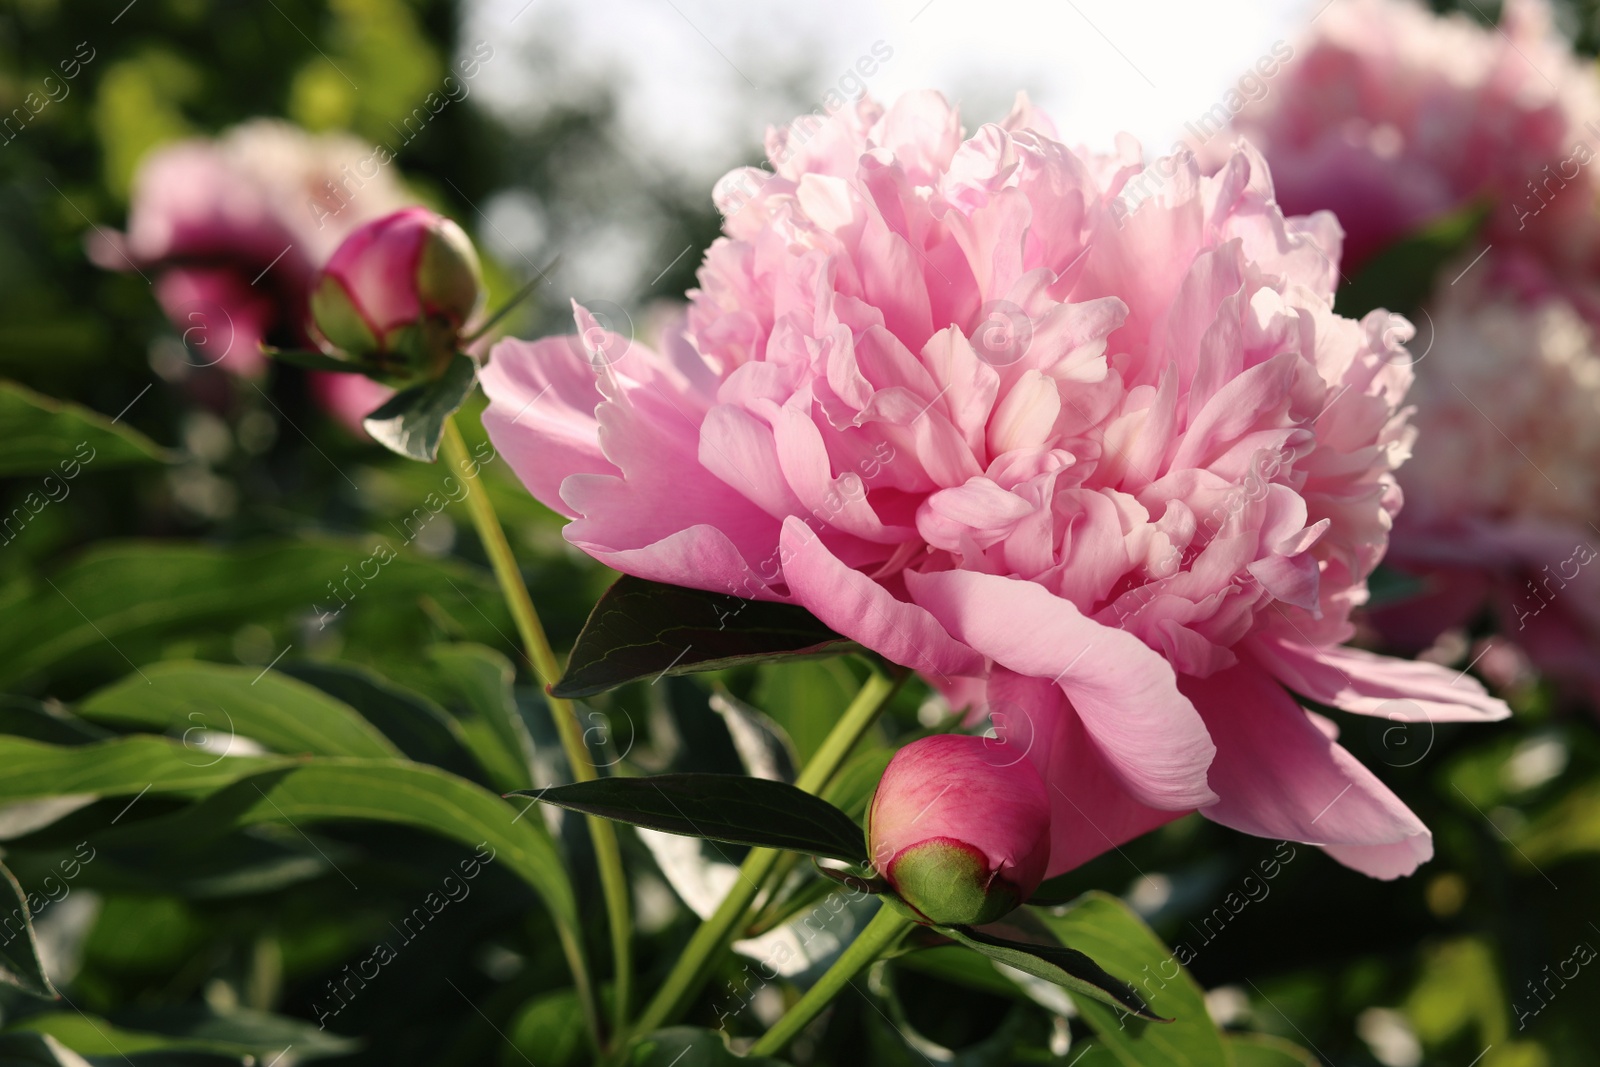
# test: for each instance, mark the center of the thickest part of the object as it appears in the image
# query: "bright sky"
(699, 81)
(697, 78)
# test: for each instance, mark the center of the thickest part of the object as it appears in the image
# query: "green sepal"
(411, 423)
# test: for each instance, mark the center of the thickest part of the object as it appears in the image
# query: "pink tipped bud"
(960, 828)
(399, 290)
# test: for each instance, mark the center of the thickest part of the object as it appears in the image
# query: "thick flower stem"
(881, 933)
(608, 855)
(716, 933)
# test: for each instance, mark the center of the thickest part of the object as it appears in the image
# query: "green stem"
(603, 832)
(716, 933)
(880, 935)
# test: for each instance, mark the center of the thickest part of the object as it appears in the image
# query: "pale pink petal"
(865, 611)
(1125, 693)
(541, 414)
(1368, 684)
(1277, 774)
(1092, 810)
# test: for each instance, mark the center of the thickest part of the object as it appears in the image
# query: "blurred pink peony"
(349, 398)
(960, 827)
(1504, 491)
(233, 229)
(955, 399)
(1391, 116)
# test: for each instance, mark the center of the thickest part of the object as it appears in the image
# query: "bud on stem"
(397, 292)
(960, 828)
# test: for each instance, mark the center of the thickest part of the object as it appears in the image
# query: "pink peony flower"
(1390, 116)
(234, 228)
(950, 395)
(1503, 498)
(960, 827)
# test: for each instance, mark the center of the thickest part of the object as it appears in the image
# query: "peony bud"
(398, 291)
(960, 827)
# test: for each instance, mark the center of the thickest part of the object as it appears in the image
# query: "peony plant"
(1110, 474)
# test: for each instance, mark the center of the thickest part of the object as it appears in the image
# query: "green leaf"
(411, 423)
(852, 787)
(420, 728)
(123, 601)
(1066, 967)
(764, 751)
(117, 768)
(1053, 892)
(958, 966)
(643, 629)
(236, 1033)
(720, 807)
(317, 790)
(1264, 1050)
(1107, 929)
(680, 1046)
(804, 697)
(1570, 828)
(40, 721)
(478, 680)
(295, 793)
(313, 360)
(208, 705)
(1387, 585)
(1401, 276)
(53, 437)
(292, 792)
(548, 1030)
(23, 1049)
(19, 953)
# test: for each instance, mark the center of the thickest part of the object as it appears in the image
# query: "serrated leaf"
(1108, 929)
(1066, 967)
(719, 807)
(411, 423)
(207, 705)
(42, 434)
(642, 629)
(20, 965)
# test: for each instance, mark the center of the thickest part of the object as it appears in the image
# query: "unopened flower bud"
(960, 828)
(398, 291)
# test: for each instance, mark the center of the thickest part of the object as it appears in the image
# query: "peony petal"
(1368, 684)
(865, 611)
(1091, 811)
(541, 414)
(1125, 693)
(1278, 775)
